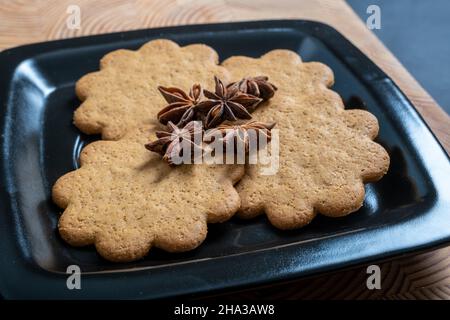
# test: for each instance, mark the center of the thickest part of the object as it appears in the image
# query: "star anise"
(181, 108)
(226, 104)
(242, 134)
(256, 86)
(170, 143)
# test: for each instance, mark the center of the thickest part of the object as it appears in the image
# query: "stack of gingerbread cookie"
(126, 199)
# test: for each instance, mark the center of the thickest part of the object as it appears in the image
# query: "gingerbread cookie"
(124, 93)
(125, 199)
(326, 152)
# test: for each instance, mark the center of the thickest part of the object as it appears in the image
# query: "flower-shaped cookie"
(326, 152)
(125, 199)
(124, 93)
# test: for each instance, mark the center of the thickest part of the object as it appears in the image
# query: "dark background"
(418, 33)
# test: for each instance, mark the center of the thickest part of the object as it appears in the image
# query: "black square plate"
(409, 209)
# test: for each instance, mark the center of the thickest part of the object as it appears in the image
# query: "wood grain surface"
(423, 276)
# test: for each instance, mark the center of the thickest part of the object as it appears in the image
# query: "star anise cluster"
(227, 103)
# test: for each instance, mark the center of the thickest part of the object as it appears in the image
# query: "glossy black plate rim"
(272, 264)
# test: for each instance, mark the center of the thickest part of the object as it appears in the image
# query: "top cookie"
(124, 95)
(326, 152)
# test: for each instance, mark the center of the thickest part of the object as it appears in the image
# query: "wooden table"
(424, 275)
